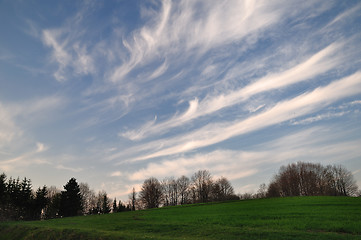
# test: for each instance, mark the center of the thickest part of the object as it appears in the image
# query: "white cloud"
(319, 117)
(331, 112)
(159, 71)
(219, 163)
(347, 14)
(71, 56)
(24, 160)
(283, 111)
(139, 133)
(41, 147)
(320, 145)
(317, 64)
(183, 29)
(356, 102)
(116, 174)
(60, 55)
(83, 62)
(71, 169)
(37, 105)
(249, 188)
(8, 128)
(16, 142)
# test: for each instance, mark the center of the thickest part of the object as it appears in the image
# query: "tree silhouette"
(309, 179)
(40, 202)
(183, 183)
(105, 204)
(133, 199)
(71, 202)
(115, 207)
(202, 183)
(151, 193)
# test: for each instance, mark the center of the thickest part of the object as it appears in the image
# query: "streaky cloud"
(319, 63)
(301, 105)
(238, 164)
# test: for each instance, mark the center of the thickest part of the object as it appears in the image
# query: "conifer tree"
(71, 202)
(106, 203)
(115, 207)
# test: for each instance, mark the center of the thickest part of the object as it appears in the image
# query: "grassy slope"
(282, 218)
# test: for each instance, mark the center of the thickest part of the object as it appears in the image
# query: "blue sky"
(114, 92)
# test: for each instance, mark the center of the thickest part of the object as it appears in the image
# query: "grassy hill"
(278, 218)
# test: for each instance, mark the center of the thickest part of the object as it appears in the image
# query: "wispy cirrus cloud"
(301, 105)
(312, 144)
(25, 159)
(70, 55)
(70, 51)
(220, 163)
(317, 64)
(71, 169)
(8, 127)
(331, 112)
(344, 15)
(16, 121)
(184, 32)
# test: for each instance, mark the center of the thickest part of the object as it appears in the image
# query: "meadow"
(276, 218)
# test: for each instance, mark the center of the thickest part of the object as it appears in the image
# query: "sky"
(114, 92)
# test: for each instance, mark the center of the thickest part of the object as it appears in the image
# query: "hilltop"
(274, 218)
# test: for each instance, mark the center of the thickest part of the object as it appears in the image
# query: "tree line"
(200, 188)
(18, 201)
(310, 179)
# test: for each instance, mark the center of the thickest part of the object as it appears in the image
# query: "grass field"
(278, 218)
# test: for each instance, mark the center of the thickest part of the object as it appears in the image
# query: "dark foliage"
(71, 201)
(17, 200)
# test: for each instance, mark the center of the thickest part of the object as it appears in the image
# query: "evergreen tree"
(3, 191)
(26, 200)
(122, 207)
(40, 202)
(71, 202)
(105, 205)
(3, 197)
(133, 197)
(115, 207)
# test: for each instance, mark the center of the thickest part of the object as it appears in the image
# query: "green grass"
(279, 218)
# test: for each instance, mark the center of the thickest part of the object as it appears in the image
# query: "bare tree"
(226, 187)
(344, 181)
(358, 193)
(222, 190)
(202, 183)
(132, 200)
(151, 193)
(273, 189)
(88, 196)
(54, 196)
(245, 196)
(52, 191)
(170, 191)
(262, 191)
(307, 179)
(183, 183)
(103, 203)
